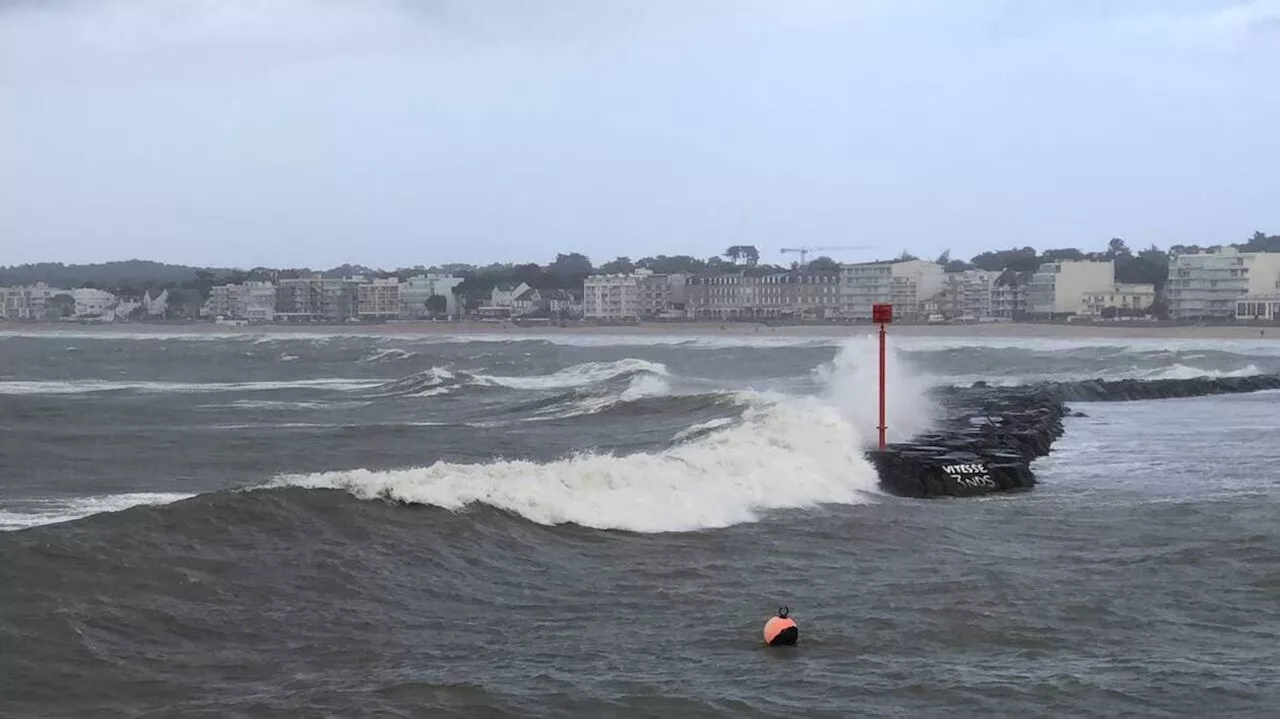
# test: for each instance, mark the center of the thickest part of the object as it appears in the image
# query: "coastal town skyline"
(1239, 281)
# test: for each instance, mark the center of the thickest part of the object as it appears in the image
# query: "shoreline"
(685, 329)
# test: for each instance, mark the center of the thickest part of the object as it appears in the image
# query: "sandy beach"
(699, 329)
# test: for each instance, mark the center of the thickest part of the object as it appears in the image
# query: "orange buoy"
(781, 629)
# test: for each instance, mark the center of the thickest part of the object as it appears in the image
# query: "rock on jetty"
(992, 434)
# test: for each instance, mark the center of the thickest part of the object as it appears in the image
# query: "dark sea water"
(338, 525)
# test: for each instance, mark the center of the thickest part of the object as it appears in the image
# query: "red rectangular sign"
(882, 314)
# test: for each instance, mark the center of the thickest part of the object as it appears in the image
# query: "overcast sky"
(403, 132)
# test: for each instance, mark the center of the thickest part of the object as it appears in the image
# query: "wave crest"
(790, 455)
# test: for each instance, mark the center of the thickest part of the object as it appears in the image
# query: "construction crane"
(804, 251)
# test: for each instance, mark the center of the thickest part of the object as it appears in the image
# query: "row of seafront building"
(1216, 285)
(918, 290)
(1219, 285)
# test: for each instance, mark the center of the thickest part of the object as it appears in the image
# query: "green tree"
(61, 305)
(823, 264)
(437, 304)
(569, 271)
(620, 265)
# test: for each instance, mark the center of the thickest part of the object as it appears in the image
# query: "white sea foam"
(639, 387)
(787, 452)
(708, 340)
(22, 514)
(782, 456)
(86, 386)
(1174, 371)
(387, 354)
(579, 375)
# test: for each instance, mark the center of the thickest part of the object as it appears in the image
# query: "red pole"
(882, 424)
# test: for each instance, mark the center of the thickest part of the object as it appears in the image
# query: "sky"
(403, 132)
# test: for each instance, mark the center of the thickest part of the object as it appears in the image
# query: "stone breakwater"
(992, 435)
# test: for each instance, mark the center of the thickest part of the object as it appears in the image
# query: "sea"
(338, 524)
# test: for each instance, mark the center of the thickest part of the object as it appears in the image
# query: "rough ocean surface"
(344, 525)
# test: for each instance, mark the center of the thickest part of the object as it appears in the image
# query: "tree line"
(190, 286)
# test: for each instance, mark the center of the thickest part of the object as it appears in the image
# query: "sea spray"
(852, 381)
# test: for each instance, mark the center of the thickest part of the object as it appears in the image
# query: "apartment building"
(1120, 300)
(254, 301)
(380, 300)
(1009, 295)
(799, 294)
(907, 284)
(720, 296)
(1213, 284)
(966, 295)
(224, 301)
(612, 296)
(318, 299)
(662, 295)
(1056, 287)
(258, 301)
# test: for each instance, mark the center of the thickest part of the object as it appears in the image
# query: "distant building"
(28, 302)
(254, 301)
(1119, 300)
(379, 300)
(612, 296)
(719, 296)
(563, 303)
(797, 294)
(93, 303)
(1213, 284)
(1056, 287)
(258, 301)
(502, 299)
(416, 290)
(661, 295)
(529, 302)
(907, 284)
(1009, 295)
(1259, 307)
(155, 303)
(966, 295)
(318, 299)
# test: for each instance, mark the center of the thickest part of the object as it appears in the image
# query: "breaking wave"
(784, 452)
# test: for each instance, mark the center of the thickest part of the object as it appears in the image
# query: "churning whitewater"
(785, 452)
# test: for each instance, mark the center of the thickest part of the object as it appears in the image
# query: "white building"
(906, 284)
(614, 296)
(967, 294)
(416, 290)
(1121, 299)
(93, 303)
(224, 301)
(29, 302)
(254, 301)
(258, 301)
(155, 304)
(1056, 287)
(380, 299)
(1213, 284)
